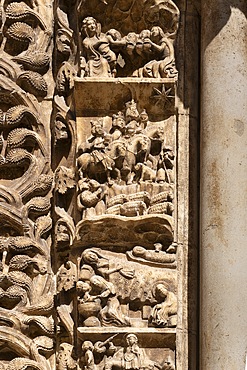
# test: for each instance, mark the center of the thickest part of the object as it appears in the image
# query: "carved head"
(60, 130)
(89, 256)
(116, 35)
(138, 167)
(145, 34)
(143, 116)
(131, 339)
(130, 129)
(63, 42)
(161, 291)
(157, 33)
(87, 345)
(90, 26)
(118, 120)
(158, 247)
(82, 287)
(131, 38)
(97, 128)
(131, 111)
(138, 251)
(94, 185)
(98, 281)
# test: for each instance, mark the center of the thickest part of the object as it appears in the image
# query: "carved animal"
(94, 168)
(140, 145)
(165, 208)
(124, 160)
(164, 196)
(156, 135)
(131, 209)
(118, 199)
(155, 132)
(144, 173)
(114, 210)
(141, 195)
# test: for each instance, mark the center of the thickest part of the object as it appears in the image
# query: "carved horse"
(140, 145)
(124, 160)
(96, 165)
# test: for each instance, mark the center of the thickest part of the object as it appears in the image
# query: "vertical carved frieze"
(26, 278)
(117, 257)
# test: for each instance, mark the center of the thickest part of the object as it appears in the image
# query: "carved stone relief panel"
(90, 257)
(117, 256)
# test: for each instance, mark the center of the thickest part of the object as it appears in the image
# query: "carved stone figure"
(97, 163)
(87, 350)
(131, 357)
(64, 358)
(155, 256)
(164, 313)
(66, 277)
(100, 59)
(101, 264)
(162, 51)
(90, 198)
(111, 314)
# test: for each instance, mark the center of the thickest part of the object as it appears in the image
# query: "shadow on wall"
(188, 65)
(220, 14)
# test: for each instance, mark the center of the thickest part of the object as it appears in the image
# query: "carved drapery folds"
(88, 238)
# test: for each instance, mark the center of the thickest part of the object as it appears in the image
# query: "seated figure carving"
(130, 357)
(164, 313)
(105, 302)
(100, 59)
(147, 54)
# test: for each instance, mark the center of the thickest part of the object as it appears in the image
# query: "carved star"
(163, 95)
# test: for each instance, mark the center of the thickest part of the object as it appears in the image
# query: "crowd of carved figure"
(106, 284)
(147, 54)
(134, 150)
